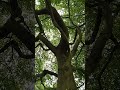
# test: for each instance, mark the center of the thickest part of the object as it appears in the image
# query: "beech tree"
(102, 40)
(19, 38)
(64, 51)
(16, 44)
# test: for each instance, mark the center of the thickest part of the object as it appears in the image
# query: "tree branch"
(46, 42)
(95, 56)
(15, 9)
(39, 24)
(16, 47)
(96, 27)
(45, 72)
(4, 2)
(40, 44)
(105, 66)
(77, 42)
(59, 24)
(69, 14)
(42, 11)
(76, 33)
(57, 20)
(22, 34)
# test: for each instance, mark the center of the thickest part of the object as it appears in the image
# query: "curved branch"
(16, 47)
(15, 9)
(70, 14)
(22, 34)
(42, 11)
(46, 42)
(4, 2)
(96, 27)
(45, 72)
(39, 24)
(58, 23)
(105, 66)
(75, 36)
(95, 56)
(56, 19)
(40, 44)
(77, 42)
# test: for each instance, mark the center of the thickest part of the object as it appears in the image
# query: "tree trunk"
(65, 73)
(102, 68)
(16, 73)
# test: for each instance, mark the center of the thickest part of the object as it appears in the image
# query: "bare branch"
(46, 42)
(80, 85)
(105, 66)
(16, 47)
(96, 27)
(74, 38)
(76, 33)
(4, 2)
(39, 23)
(79, 53)
(57, 20)
(70, 13)
(45, 72)
(42, 11)
(40, 44)
(77, 42)
(96, 53)
(28, 39)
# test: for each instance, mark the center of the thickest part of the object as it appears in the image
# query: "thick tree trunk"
(101, 60)
(16, 73)
(65, 73)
